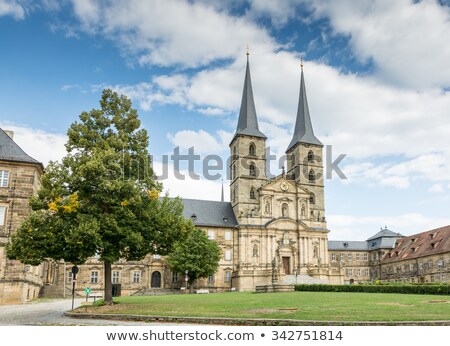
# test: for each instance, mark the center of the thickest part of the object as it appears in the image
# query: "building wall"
(18, 282)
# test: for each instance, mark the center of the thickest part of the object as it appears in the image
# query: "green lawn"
(323, 306)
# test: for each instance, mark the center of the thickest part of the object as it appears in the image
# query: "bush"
(404, 289)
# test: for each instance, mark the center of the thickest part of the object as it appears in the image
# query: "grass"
(321, 306)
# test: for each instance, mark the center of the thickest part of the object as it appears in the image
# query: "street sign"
(87, 290)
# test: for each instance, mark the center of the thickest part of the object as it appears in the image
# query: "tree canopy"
(196, 254)
(102, 199)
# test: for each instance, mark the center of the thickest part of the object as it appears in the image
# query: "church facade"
(273, 230)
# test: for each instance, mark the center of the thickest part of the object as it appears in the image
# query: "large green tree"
(102, 199)
(196, 254)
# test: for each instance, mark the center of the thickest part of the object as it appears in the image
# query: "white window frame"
(333, 256)
(115, 277)
(366, 257)
(227, 255)
(367, 272)
(211, 235)
(136, 279)
(349, 272)
(4, 178)
(3, 215)
(227, 235)
(69, 277)
(94, 277)
(357, 257)
(341, 257)
(358, 272)
(349, 257)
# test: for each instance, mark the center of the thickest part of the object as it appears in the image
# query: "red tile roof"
(418, 245)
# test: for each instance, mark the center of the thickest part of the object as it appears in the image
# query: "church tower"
(248, 162)
(305, 163)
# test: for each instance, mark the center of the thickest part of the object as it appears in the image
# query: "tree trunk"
(108, 285)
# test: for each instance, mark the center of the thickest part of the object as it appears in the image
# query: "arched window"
(312, 176)
(252, 170)
(312, 199)
(234, 153)
(252, 150)
(234, 172)
(310, 156)
(252, 193)
(284, 210)
(293, 159)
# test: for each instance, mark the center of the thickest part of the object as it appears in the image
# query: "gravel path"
(50, 312)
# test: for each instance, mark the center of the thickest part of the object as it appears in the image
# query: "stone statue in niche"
(255, 250)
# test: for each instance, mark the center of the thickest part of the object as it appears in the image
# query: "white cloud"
(350, 227)
(407, 40)
(40, 145)
(202, 141)
(437, 188)
(171, 32)
(189, 187)
(12, 8)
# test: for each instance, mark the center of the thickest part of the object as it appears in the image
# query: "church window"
(310, 156)
(284, 210)
(94, 277)
(136, 277)
(252, 150)
(4, 178)
(252, 170)
(312, 199)
(252, 193)
(255, 250)
(2, 215)
(312, 176)
(115, 277)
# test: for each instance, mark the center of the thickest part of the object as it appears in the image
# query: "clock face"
(284, 186)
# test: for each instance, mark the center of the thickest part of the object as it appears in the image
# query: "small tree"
(196, 254)
(102, 199)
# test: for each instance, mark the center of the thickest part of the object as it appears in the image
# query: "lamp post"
(186, 278)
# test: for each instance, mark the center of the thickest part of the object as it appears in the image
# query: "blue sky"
(377, 79)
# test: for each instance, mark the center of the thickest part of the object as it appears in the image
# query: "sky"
(377, 80)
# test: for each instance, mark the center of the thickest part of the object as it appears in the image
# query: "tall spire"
(248, 122)
(222, 199)
(303, 132)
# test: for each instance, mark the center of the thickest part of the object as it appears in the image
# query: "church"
(273, 232)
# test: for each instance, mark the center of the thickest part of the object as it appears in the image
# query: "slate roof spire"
(303, 132)
(248, 122)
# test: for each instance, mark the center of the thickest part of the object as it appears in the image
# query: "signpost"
(74, 280)
(87, 291)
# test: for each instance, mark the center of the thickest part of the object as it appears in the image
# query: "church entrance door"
(287, 265)
(156, 280)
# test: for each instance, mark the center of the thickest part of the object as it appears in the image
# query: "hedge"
(405, 289)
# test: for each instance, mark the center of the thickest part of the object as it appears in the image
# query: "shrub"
(404, 288)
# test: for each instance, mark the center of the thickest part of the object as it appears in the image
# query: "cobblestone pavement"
(50, 312)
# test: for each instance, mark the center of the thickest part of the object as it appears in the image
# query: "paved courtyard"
(50, 312)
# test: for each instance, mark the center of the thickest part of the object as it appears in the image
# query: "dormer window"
(310, 156)
(252, 150)
(193, 217)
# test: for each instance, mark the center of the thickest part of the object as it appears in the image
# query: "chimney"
(9, 133)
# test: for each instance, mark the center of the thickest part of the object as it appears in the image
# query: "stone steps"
(301, 280)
